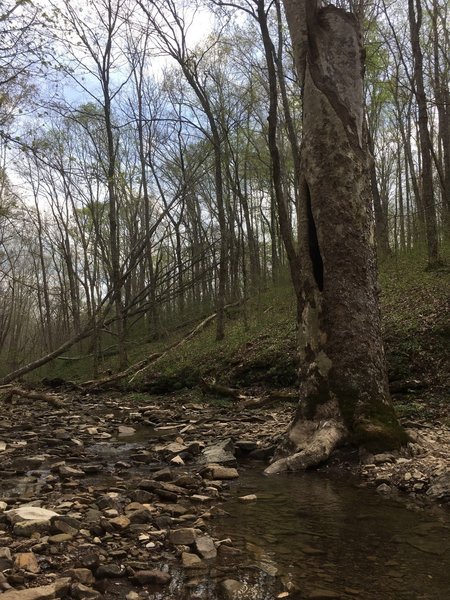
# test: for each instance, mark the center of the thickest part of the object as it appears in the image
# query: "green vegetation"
(260, 350)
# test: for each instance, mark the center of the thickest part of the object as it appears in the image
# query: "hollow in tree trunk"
(344, 388)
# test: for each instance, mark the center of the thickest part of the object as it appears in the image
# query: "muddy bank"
(118, 497)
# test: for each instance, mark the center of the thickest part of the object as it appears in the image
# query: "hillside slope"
(259, 350)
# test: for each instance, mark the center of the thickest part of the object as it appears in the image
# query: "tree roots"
(317, 448)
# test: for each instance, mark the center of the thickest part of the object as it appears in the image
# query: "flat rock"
(440, 488)
(109, 571)
(125, 430)
(310, 551)
(205, 547)
(82, 575)
(173, 509)
(46, 592)
(222, 452)
(60, 538)
(191, 561)
(200, 499)
(153, 576)
(175, 448)
(120, 523)
(248, 498)
(2, 446)
(323, 594)
(83, 592)
(66, 471)
(66, 524)
(27, 528)
(184, 537)
(29, 513)
(220, 472)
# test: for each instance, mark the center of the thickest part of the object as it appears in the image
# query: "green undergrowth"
(416, 323)
(260, 349)
(416, 320)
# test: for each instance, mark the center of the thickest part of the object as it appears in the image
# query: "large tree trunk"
(344, 390)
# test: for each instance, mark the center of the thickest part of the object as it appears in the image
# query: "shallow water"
(311, 533)
(307, 534)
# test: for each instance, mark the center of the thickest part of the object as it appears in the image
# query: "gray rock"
(27, 528)
(205, 547)
(66, 524)
(384, 488)
(440, 488)
(141, 516)
(92, 515)
(221, 453)
(5, 559)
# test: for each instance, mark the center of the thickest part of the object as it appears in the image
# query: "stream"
(305, 536)
(324, 538)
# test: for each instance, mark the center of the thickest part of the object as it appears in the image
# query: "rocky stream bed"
(117, 497)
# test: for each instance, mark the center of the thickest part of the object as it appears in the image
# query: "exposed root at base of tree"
(318, 447)
(9, 391)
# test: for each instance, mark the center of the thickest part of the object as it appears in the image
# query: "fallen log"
(11, 391)
(139, 368)
(211, 387)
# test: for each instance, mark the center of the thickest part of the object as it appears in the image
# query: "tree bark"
(427, 191)
(344, 388)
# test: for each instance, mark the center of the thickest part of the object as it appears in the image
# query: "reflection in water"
(318, 534)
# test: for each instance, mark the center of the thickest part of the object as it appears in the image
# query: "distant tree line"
(147, 179)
